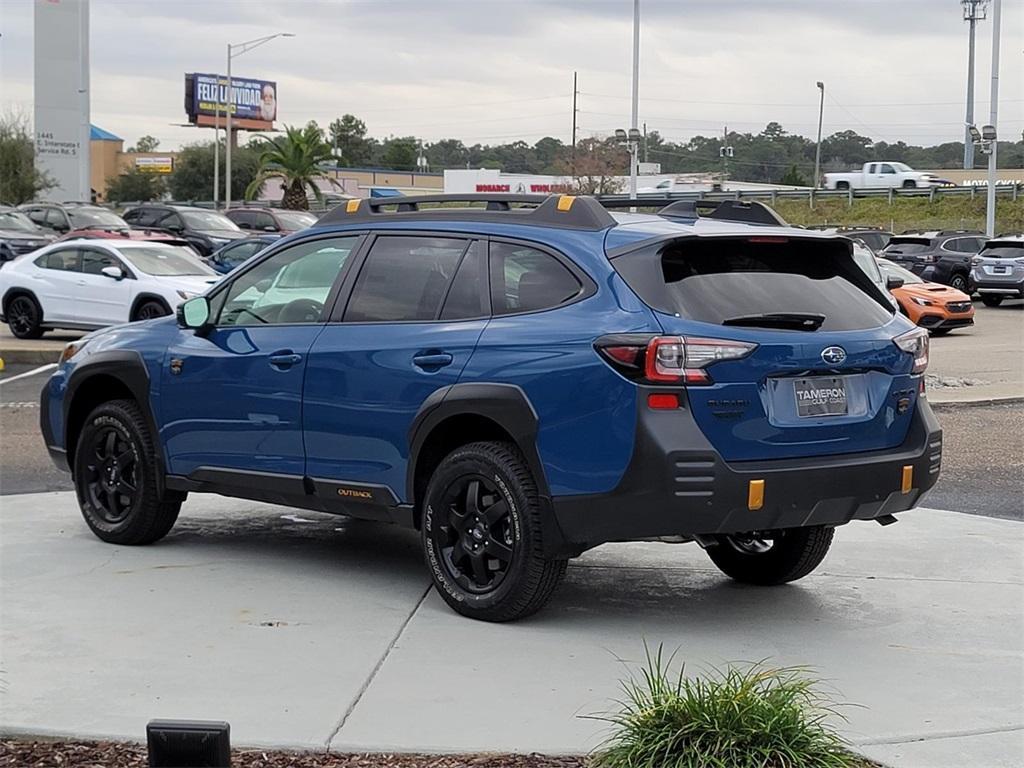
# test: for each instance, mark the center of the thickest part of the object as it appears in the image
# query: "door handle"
(432, 360)
(284, 359)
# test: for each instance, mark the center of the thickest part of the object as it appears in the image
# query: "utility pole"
(216, 148)
(817, 148)
(974, 11)
(724, 153)
(634, 129)
(575, 93)
(990, 203)
(645, 141)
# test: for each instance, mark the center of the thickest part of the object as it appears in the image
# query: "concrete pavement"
(309, 630)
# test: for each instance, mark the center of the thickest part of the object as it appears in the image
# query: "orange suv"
(934, 306)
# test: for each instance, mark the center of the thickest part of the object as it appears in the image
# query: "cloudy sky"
(497, 70)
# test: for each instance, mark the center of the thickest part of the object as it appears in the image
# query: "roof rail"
(564, 211)
(750, 212)
(943, 232)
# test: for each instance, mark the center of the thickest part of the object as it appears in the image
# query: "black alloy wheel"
(151, 309)
(111, 482)
(23, 317)
(475, 536)
(959, 283)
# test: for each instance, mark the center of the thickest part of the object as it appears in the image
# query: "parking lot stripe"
(33, 372)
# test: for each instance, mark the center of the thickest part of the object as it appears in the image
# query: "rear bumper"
(692, 491)
(999, 287)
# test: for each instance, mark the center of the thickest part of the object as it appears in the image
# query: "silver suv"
(997, 272)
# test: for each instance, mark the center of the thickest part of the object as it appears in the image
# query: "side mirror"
(194, 313)
(115, 273)
(264, 285)
(270, 228)
(62, 228)
(174, 228)
(893, 282)
(243, 225)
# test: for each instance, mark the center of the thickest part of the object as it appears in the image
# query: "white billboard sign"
(62, 96)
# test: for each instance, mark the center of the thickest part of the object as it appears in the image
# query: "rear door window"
(524, 279)
(735, 282)
(467, 297)
(405, 278)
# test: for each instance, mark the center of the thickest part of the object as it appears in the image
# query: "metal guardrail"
(932, 193)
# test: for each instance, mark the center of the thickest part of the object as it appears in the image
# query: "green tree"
(596, 167)
(193, 172)
(145, 144)
(296, 159)
(447, 153)
(136, 185)
(20, 180)
(398, 153)
(348, 137)
(793, 178)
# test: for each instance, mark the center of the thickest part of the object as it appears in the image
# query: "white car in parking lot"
(88, 284)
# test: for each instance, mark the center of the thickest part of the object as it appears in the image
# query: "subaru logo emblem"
(833, 355)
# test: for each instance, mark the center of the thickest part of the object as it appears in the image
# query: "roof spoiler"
(749, 212)
(564, 211)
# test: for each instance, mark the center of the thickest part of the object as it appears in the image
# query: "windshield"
(165, 261)
(894, 270)
(208, 220)
(296, 219)
(866, 260)
(716, 280)
(908, 245)
(1004, 251)
(95, 217)
(19, 221)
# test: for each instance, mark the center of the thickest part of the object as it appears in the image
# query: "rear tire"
(147, 310)
(116, 477)
(482, 534)
(842, 185)
(24, 316)
(958, 282)
(991, 301)
(790, 555)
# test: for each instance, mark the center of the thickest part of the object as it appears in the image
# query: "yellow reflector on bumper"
(755, 495)
(908, 478)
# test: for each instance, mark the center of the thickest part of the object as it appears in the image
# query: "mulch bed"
(105, 754)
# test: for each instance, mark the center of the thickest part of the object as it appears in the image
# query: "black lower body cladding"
(678, 485)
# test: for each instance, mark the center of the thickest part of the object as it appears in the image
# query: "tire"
(24, 317)
(488, 569)
(991, 301)
(791, 555)
(147, 310)
(842, 185)
(115, 452)
(958, 282)
(910, 184)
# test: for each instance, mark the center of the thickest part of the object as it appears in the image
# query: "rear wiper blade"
(797, 321)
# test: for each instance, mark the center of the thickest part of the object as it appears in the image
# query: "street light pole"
(990, 202)
(216, 147)
(237, 50)
(633, 149)
(974, 11)
(817, 148)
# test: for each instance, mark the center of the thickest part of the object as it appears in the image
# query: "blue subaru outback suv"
(520, 379)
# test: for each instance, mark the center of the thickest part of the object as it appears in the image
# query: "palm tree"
(294, 158)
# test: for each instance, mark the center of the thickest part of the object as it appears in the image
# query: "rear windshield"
(909, 245)
(1004, 251)
(723, 281)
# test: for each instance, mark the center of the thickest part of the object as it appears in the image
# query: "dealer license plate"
(820, 396)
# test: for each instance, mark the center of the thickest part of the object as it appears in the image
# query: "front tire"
(116, 477)
(24, 316)
(910, 184)
(482, 534)
(150, 309)
(991, 301)
(772, 558)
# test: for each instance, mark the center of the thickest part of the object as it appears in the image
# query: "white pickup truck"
(883, 175)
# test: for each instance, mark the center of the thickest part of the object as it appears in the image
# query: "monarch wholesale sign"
(155, 164)
(253, 102)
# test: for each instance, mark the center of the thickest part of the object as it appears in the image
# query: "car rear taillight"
(976, 261)
(928, 258)
(669, 359)
(915, 342)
